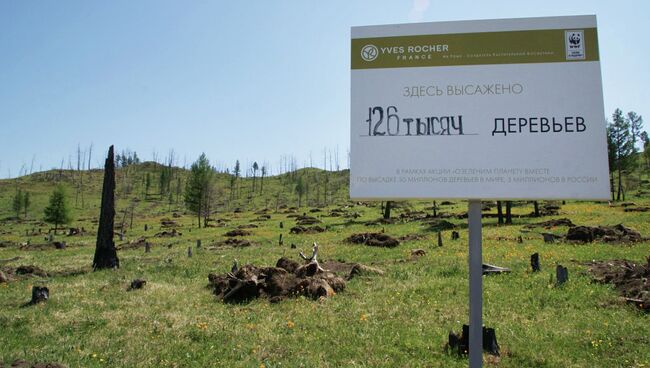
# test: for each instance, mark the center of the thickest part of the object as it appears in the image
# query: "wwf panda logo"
(575, 39)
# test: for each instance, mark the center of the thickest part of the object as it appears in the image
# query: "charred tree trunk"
(387, 210)
(105, 253)
(500, 212)
(508, 212)
(620, 184)
(536, 205)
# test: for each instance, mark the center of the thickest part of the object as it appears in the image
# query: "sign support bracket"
(475, 284)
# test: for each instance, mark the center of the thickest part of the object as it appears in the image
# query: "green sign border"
(484, 48)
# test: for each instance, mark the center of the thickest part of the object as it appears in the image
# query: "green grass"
(400, 319)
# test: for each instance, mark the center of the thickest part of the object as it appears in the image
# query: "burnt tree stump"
(439, 239)
(455, 235)
(461, 343)
(40, 294)
(105, 253)
(534, 262)
(147, 247)
(561, 274)
(137, 284)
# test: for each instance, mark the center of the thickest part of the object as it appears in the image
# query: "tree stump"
(280, 242)
(281, 225)
(137, 284)
(534, 262)
(189, 252)
(548, 238)
(561, 274)
(147, 247)
(455, 235)
(520, 240)
(146, 227)
(461, 343)
(439, 239)
(198, 243)
(40, 294)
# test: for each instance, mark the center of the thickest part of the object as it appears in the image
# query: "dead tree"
(508, 212)
(387, 210)
(500, 212)
(105, 253)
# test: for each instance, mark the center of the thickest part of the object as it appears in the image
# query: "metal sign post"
(475, 285)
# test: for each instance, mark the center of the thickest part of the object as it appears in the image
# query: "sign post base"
(475, 285)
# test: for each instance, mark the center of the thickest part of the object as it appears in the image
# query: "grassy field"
(399, 319)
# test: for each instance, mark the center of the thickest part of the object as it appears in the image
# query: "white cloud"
(418, 9)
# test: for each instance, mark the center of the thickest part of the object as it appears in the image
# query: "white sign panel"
(492, 109)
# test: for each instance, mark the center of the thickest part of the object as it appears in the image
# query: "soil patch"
(439, 225)
(373, 240)
(552, 223)
(247, 226)
(168, 223)
(306, 230)
(618, 233)
(168, 234)
(235, 243)
(630, 279)
(140, 242)
(238, 232)
(307, 220)
(43, 246)
(637, 209)
(8, 274)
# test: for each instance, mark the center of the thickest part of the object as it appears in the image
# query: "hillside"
(398, 314)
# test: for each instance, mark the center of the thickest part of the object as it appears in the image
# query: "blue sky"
(247, 80)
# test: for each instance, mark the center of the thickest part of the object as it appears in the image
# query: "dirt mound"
(439, 225)
(168, 234)
(73, 231)
(238, 232)
(275, 283)
(307, 220)
(140, 242)
(43, 246)
(631, 280)
(618, 233)
(637, 209)
(24, 364)
(373, 240)
(236, 243)
(168, 223)
(552, 223)
(247, 226)
(306, 229)
(10, 273)
(412, 215)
